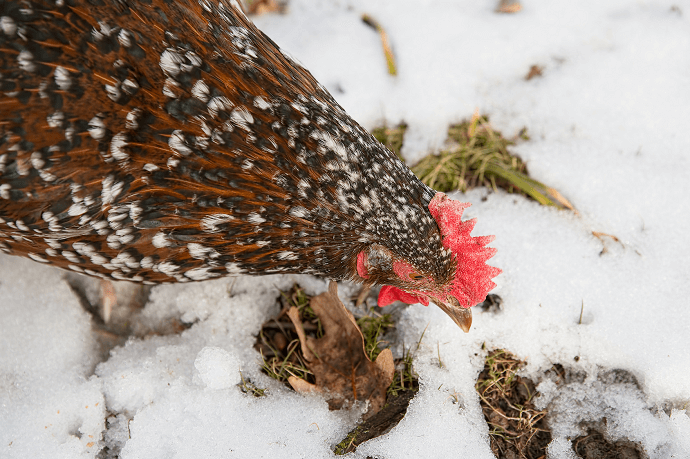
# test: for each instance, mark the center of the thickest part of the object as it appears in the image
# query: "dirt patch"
(493, 304)
(595, 446)
(516, 428)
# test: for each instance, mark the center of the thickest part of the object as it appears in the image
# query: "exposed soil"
(595, 446)
(517, 429)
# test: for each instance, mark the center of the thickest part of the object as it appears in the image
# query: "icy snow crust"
(609, 129)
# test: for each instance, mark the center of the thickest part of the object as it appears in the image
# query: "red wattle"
(362, 265)
(390, 294)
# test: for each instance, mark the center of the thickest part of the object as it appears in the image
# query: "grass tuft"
(406, 378)
(248, 387)
(278, 342)
(373, 328)
(283, 364)
(478, 156)
(516, 427)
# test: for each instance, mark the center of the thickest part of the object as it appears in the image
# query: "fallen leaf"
(509, 6)
(534, 71)
(341, 368)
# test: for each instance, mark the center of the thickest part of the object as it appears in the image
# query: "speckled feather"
(163, 141)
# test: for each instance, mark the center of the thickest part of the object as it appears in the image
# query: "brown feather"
(173, 141)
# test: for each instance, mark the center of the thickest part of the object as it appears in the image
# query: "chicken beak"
(461, 316)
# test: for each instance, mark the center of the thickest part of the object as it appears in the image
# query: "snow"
(608, 124)
(49, 405)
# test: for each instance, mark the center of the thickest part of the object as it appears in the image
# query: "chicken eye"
(415, 276)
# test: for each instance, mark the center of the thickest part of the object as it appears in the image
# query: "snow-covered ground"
(609, 124)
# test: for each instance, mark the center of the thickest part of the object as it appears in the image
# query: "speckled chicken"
(158, 141)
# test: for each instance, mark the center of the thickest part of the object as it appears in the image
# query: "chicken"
(159, 141)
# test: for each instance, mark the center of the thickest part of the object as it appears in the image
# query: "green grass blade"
(541, 193)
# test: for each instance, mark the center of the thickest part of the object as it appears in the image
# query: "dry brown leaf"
(534, 71)
(301, 386)
(509, 6)
(340, 365)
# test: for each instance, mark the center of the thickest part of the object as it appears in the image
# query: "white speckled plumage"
(173, 141)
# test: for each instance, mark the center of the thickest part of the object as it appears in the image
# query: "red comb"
(472, 276)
